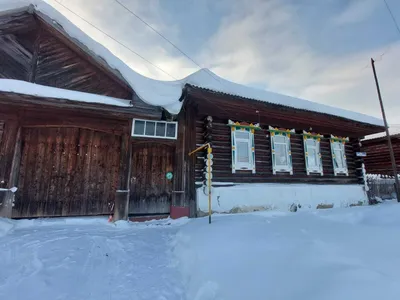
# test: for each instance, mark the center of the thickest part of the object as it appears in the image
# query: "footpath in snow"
(338, 254)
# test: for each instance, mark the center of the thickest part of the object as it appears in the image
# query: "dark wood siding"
(7, 143)
(221, 142)
(378, 155)
(66, 171)
(60, 66)
(37, 52)
(150, 189)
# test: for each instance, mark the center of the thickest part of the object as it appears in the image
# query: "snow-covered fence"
(380, 188)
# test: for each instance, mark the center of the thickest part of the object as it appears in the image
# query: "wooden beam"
(35, 55)
(121, 208)
(17, 22)
(7, 197)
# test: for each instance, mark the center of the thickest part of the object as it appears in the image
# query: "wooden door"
(150, 190)
(67, 172)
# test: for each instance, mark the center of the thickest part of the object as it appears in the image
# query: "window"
(281, 154)
(312, 154)
(242, 150)
(155, 129)
(339, 156)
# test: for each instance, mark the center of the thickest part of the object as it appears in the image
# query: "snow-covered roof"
(393, 130)
(27, 88)
(167, 93)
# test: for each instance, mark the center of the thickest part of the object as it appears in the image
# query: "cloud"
(262, 42)
(356, 11)
(124, 27)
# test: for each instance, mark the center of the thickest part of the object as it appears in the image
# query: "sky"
(319, 50)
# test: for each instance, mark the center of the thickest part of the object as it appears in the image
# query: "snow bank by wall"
(167, 93)
(256, 197)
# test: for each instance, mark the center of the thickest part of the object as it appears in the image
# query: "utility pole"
(389, 140)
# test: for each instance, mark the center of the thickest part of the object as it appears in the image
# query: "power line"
(393, 18)
(167, 40)
(123, 45)
(159, 33)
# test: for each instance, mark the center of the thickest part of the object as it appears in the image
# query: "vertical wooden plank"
(7, 199)
(7, 151)
(63, 196)
(21, 178)
(37, 209)
(122, 194)
(28, 201)
(52, 183)
(95, 174)
(57, 208)
(78, 184)
(48, 167)
(180, 166)
(190, 192)
(116, 150)
(85, 148)
(35, 55)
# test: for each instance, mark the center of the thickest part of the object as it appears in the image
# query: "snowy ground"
(341, 254)
(87, 259)
(338, 254)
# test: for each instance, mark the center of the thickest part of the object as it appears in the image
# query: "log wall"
(222, 172)
(378, 160)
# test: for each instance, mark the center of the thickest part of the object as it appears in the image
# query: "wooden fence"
(380, 188)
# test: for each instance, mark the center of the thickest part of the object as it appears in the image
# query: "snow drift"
(325, 255)
(282, 197)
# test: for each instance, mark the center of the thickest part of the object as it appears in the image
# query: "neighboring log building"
(378, 160)
(83, 134)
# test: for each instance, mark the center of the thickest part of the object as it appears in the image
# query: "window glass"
(139, 127)
(281, 154)
(160, 129)
(243, 154)
(171, 128)
(242, 135)
(312, 157)
(150, 128)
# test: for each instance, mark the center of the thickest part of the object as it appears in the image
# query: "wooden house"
(83, 134)
(273, 151)
(66, 123)
(378, 160)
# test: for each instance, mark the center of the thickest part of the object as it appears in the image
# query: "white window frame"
(318, 168)
(155, 129)
(343, 170)
(244, 166)
(279, 168)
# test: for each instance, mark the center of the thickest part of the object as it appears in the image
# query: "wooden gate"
(67, 172)
(150, 190)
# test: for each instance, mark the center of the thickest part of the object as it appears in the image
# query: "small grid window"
(155, 129)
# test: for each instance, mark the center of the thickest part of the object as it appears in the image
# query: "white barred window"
(339, 156)
(281, 153)
(312, 154)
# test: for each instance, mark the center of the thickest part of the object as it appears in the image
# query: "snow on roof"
(393, 130)
(27, 88)
(167, 93)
